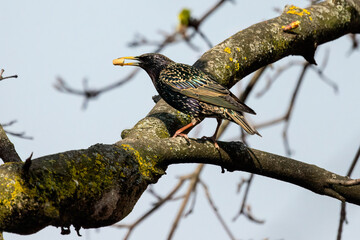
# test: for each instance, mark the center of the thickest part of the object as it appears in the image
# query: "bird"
(191, 91)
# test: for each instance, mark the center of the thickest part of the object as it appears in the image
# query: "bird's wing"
(194, 83)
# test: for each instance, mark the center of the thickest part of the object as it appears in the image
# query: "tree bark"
(7, 149)
(100, 185)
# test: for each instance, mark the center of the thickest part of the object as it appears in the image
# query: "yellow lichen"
(237, 66)
(15, 188)
(297, 11)
(228, 50)
(146, 168)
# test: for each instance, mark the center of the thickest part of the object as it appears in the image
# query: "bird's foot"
(213, 139)
(182, 135)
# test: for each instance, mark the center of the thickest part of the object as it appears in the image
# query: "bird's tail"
(240, 119)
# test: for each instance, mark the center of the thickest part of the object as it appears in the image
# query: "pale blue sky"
(41, 40)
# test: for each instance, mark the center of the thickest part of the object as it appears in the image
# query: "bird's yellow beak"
(121, 61)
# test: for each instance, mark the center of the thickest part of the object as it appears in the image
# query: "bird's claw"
(182, 135)
(211, 139)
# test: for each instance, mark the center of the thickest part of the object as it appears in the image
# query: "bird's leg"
(213, 137)
(194, 122)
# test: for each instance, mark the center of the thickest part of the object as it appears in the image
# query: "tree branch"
(2, 78)
(99, 186)
(7, 149)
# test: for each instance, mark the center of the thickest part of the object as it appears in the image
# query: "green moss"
(147, 164)
(161, 131)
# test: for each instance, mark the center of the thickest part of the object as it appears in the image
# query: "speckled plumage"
(191, 91)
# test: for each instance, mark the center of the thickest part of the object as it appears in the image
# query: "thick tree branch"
(99, 186)
(86, 188)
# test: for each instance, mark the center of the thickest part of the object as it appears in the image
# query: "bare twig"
(320, 72)
(241, 184)
(287, 66)
(349, 182)
(355, 43)
(212, 10)
(343, 204)
(278, 72)
(2, 78)
(141, 40)
(245, 208)
(15, 134)
(172, 38)
(87, 93)
(153, 193)
(19, 134)
(342, 220)
(132, 226)
(193, 202)
(287, 115)
(9, 123)
(255, 78)
(356, 158)
(243, 204)
(214, 208)
(191, 188)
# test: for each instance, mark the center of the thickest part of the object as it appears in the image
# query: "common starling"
(192, 92)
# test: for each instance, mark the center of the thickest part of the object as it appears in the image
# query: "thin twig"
(132, 226)
(278, 72)
(243, 202)
(245, 208)
(87, 93)
(2, 78)
(9, 123)
(255, 78)
(355, 43)
(342, 220)
(19, 134)
(286, 117)
(343, 204)
(15, 134)
(211, 10)
(192, 205)
(153, 193)
(320, 72)
(348, 182)
(191, 188)
(214, 208)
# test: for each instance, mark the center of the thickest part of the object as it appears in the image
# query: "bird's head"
(152, 63)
